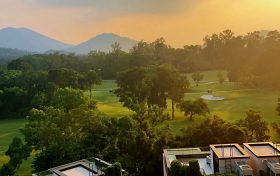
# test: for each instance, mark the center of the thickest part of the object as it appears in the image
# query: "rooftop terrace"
(263, 149)
(229, 151)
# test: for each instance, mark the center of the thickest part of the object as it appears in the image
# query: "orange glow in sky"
(180, 22)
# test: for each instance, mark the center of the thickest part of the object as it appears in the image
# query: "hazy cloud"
(122, 6)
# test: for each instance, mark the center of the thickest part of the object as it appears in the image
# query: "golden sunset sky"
(180, 22)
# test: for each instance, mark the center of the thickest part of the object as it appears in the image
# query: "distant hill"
(103, 42)
(28, 40)
(7, 54)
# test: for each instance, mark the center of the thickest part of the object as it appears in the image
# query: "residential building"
(85, 167)
(259, 158)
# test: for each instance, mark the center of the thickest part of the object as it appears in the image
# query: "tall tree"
(177, 86)
(92, 78)
(133, 89)
(191, 108)
(257, 128)
(197, 77)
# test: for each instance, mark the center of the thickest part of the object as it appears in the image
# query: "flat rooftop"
(78, 171)
(90, 167)
(263, 149)
(229, 151)
(184, 155)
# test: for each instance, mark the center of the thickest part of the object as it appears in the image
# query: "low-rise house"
(85, 167)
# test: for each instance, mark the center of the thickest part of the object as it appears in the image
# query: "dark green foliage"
(194, 168)
(176, 168)
(191, 108)
(256, 128)
(114, 170)
(211, 131)
(82, 132)
(13, 99)
(68, 98)
(142, 89)
(179, 169)
(133, 89)
(64, 78)
(17, 152)
(21, 91)
(7, 170)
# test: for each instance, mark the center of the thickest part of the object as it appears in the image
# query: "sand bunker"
(212, 98)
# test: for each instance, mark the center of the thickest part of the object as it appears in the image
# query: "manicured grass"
(107, 102)
(8, 130)
(237, 101)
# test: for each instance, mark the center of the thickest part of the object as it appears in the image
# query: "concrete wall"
(212, 160)
(222, 163)
(165, 169)
(259, 164)
(224, 169)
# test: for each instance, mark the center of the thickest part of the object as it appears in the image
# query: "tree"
(211, 130)
(170, 84)
(68, 98)
(116, 48)
(166, 82)
(17, 152)
(256, 128)
(278, 107)
(92, 78)
(197, 77)
(194, 168)
(72, 135)
(191, 108)
(114, 170)
(64, 78)
(133, 89)
(175, 168)
(221, 77)
(12, 100)
(178, 169)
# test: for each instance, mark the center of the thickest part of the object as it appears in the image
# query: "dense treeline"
(21, 91)
(252, 59)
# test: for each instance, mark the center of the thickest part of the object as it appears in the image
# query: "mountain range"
(31, 41)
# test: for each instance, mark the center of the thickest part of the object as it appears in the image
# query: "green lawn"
(237, 101)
